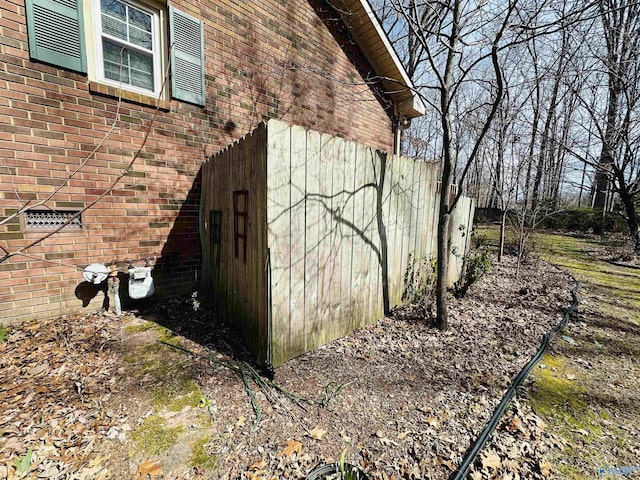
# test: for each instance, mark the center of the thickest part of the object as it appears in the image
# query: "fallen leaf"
(491, 460)
(293, 446)
(447, 463)
(317, 433)
(475, 475)
(515, 425)
(433, 421)
(241, 420)
(545, 468)
(94, 462)
(150, 467)
(259, 465)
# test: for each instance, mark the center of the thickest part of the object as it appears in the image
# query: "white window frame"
(157, 42)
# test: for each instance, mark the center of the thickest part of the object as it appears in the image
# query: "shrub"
(476, 264)
(581, 220)
(420, 282)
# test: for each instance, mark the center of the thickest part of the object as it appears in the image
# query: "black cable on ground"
(470, 458)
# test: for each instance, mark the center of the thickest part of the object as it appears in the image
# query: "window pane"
(139, 19)
(141, 70)
(140, 38)
(115, 67)
(114, 27)
(135, 68)
(111, 52)
(139, 28)
(142, 79)
(112, 71)
(114, 8)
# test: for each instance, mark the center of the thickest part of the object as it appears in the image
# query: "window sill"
(102, 89)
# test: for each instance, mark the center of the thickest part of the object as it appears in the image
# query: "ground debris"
(58, 382)
(398, 398)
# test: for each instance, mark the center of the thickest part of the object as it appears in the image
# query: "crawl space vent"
(51, 219)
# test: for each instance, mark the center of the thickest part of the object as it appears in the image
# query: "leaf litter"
(401, 399)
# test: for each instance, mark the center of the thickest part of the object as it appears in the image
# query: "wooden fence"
(336, 226)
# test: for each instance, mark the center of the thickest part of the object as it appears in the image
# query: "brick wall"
(273, 59)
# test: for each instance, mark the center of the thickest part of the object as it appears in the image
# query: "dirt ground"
(161, 394)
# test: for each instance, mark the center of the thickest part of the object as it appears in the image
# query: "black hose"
(463, 470)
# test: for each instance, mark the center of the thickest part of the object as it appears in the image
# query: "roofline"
(396, 80)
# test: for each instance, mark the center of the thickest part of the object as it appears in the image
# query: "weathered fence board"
(332, 227)
(236, 282)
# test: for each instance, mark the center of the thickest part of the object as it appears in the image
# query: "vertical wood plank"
(325, 263)
(396, 273)
(348, 233)
(297, 271)
(314, 212)
(279, 234)
(361, 251)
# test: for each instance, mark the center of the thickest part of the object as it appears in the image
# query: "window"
(128, 46)
(121, 44)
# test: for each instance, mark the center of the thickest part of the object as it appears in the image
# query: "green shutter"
(186, 37)
(56, 33)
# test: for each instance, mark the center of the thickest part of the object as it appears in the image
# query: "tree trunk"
(606, 157)
(630, 210)
(444, 213)
(442, 313)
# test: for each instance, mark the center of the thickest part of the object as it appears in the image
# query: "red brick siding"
(263, 59)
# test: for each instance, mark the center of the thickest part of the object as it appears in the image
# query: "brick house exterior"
(300, 61)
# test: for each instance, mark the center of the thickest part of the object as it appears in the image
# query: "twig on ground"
(271, 390)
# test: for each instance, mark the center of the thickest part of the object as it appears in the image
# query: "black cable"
(471, 455)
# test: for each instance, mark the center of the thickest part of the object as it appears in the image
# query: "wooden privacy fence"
(307, 236)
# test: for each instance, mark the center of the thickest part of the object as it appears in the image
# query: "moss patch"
(4, 333)
(154, 437)
(557, 397)
(140, 328)
(201, 457)
(177, 396)
(167, 336)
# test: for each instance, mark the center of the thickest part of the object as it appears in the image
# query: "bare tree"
(618, 162)
(461, 46)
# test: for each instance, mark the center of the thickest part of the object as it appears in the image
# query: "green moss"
(558, 398)
(163, 334)
(140, 328)
(201, 457)
(176, 397)
(204, 420)
(154, 437)
(570, 472)
(167, 336)
(4, 333)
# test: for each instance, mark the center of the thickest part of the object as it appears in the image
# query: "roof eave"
(374, 43)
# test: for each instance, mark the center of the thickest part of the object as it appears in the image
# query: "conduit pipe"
(471, 455)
